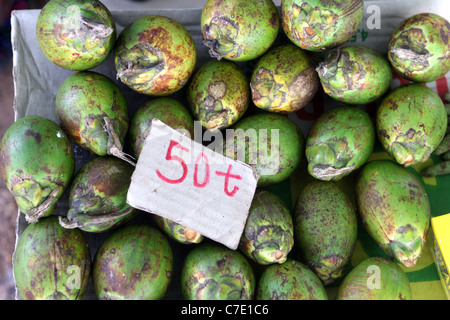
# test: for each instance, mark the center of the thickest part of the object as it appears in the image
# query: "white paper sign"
(180, 179)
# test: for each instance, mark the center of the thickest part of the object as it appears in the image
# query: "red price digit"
(206, 179)
(169, 156)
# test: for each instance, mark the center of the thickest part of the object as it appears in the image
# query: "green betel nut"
(419, 48)
(37, 163)
(394, 209)
(271, 143)
(177, 231)
(51, 262)
(268, 235)
(214, 272)
(411, 122)
(155, 55)
(239, 30)
(355, 75)
(135, 262)
(375, 279)
(339, 142)
(170, 111)
(321, 25)
(98, 194)
(93, 112)
(284, 80)
(325, 228)
(76, 34)
(290, 280)
(218, 94)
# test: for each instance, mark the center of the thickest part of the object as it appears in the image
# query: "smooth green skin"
(177, 231)
(37, 163)
(325, 229)
(82, 102)
(218, 94)
(284, 80)
(135, 262)
(419, 48)
(98, 194)
(339, 142)
(234, 30)
(51, 262)
(155, 55)
(214, 272)
(66, 41)
(317, 25)
(291, 280)
(268, 235)
(273, 161)
(355, 75)
(394, 209)
(362, 282)
(170, 111)
(411, 122)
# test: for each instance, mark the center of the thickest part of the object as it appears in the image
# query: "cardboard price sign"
(186, 182)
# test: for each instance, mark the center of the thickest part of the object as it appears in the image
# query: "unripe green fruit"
(268, 235)
(411, 122)
(37, 163)
(76, 34)
(155, 55)
(271, 143)
(218, 94)
(51, 262)
(394, 209)
(93, 112)
(284, 80)
(375, 279)
(290, 280)
(98, 194)
(214, 272)
(170, 111)
(325, 226)
(419, 48)
(320, 25)
(355, 75)
(339, 142)
(135, 262)
(239, 30)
